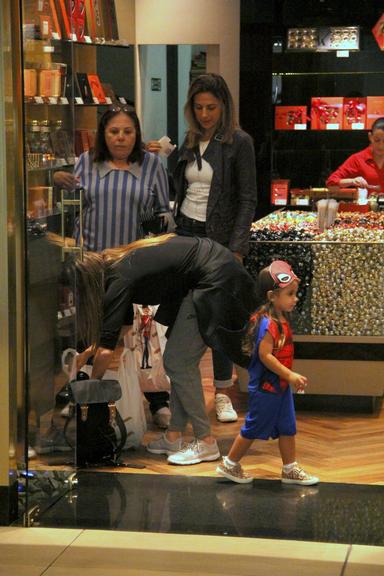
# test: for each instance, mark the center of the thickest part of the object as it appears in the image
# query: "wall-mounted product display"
(324, 38)
(66, 80)
(90, 21)
(326, 95)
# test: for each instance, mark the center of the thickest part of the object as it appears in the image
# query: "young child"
(271, 412)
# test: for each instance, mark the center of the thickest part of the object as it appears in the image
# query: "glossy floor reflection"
(328, 512)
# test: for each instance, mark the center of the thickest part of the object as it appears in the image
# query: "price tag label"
(52, 100)
(342, 53)
(333, 126)
(357, 126)
(79, 100)
(73, 37)
(96, 100)
(67, 312)
(108, 100)
(122, 100)
(39, 100)
(48, 49)
(300, 127)
(87, 39)
(64, 100)
(55, 36)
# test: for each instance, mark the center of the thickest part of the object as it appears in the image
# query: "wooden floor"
(337, 447)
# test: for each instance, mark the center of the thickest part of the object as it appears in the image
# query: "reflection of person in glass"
(122, 184)
(205, 296)
(271, 411)
(364, 169)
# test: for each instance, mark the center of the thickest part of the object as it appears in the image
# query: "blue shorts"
(269, 415)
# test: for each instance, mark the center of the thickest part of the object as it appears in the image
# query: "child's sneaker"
(234, 473)
(298, 476)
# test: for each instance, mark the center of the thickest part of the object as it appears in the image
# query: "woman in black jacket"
(206, 298)
(215, 182)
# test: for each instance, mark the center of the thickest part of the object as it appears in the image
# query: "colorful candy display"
(341, 269)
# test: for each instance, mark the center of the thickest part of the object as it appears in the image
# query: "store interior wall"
(215, 23)
(158, 116)
(153, 74)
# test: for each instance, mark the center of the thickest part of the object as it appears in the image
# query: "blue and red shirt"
(260, 376)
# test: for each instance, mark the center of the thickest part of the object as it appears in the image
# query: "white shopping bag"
(147, 340)
(130, 405)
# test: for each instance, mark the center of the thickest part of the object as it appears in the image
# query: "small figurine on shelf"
(145, 329)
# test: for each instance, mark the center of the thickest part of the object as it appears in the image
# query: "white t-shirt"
(199, 184)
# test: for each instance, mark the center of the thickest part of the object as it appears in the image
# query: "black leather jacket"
(233, 195)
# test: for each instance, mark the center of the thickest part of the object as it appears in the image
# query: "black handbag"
(94, 426)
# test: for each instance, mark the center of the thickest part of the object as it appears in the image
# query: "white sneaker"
(224, 409)
(163, 446)
(195, 452)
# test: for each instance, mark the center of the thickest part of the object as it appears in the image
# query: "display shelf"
(50, 168)
(307, 156)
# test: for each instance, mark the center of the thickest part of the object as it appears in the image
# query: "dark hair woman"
(215, 183)
(364, 169)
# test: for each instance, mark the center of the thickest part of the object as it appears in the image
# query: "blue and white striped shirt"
(116, 201)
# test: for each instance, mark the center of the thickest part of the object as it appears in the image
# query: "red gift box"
(326, 113)
(378, 32)
(375, 109)
(354, 113)
(80, 20)
(279, 192)
(290, 117)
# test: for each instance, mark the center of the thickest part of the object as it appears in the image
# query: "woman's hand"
(65, 180)
(83, 357)
(359, 182)
(153, 146)
(169, 224)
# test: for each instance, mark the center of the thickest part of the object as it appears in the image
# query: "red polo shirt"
(359, 164)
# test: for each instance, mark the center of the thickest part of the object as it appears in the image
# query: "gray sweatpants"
(183, 352)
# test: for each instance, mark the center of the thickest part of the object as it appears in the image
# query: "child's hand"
(299, 381)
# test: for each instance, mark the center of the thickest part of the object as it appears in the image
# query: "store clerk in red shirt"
(364, 169)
